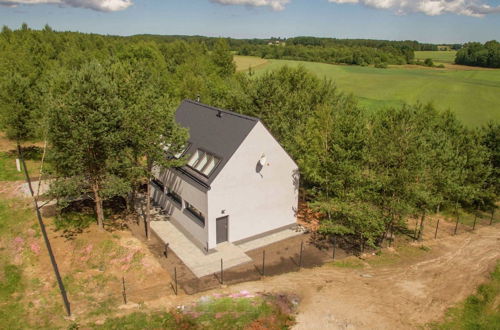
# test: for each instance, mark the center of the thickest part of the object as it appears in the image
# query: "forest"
(476, 54)
(105, 106)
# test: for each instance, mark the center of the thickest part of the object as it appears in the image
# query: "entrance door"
(222, 229)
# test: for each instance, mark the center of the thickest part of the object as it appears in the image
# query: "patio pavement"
(193, 257)
(270, 239)
(202, 264)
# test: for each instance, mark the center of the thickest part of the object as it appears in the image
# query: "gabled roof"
(217, 131)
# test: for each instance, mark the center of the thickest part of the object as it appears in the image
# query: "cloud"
(475, 8)
(273, 4)
(99, 5)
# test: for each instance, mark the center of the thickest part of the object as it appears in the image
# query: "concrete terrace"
(202, 264)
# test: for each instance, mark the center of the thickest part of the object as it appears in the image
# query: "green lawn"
(437, 56)
(474, 95)
(478, 311)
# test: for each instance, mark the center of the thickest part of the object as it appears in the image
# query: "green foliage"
(477, 54)
(479, 311)
(429, 62)
(221, 313)
(223, 58)
(73, 221)
(11, 281)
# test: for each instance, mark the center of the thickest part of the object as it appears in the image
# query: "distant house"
(238, 184)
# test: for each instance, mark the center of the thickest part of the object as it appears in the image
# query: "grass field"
(245, 62)
(437, 56)
(474, 95)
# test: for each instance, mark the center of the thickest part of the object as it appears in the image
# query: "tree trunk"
(98, 206)
(148, 208)
(131, 200)
(148, 198)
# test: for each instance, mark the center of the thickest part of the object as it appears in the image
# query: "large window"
(176, 198)
(158, 184)
(195, 213)
(203, 162)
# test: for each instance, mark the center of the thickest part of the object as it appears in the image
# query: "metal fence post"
(175, 280)
(334, 246)
(437, 226)
(492, 214)
(475, 219)
(124, 292)
(264, 263)
(221, 271)
(301, 250)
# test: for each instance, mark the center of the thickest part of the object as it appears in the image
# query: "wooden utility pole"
(60, 283)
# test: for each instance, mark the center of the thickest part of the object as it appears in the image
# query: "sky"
(436, 21)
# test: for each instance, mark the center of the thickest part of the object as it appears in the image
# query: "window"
(158, 184)
(174, 197)
(203, 162)
(195, 212)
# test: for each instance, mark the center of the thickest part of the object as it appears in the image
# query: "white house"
(238, 184)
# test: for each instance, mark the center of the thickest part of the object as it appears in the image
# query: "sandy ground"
(401, 296)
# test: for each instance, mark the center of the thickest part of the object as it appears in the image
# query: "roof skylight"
(203, 162)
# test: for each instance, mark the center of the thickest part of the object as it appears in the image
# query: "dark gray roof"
(217, 131)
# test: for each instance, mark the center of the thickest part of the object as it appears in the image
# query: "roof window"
(203, 162)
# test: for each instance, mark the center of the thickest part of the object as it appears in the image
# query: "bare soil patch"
(401, 294)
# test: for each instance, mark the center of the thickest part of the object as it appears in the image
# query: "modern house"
(238, 183)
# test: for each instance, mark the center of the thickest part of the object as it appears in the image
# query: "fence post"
(437, 226)
(264, 263)
(124, 292)
(175, 279)
(221, 271)
(475, 219)
(492, 214)
(301, 250)
(458, 218)
(334, 246)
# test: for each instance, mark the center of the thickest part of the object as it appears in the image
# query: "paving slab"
(193, 257)
(270, 239)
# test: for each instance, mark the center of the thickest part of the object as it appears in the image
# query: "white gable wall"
(255, 202)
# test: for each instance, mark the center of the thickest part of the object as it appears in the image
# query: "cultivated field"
(245, 62)
(437, 56)
(473, 94)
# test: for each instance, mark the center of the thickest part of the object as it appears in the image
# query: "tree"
(147, 104)
(86, 134)
(223, 58)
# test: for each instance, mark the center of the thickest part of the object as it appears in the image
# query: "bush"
(429, 62)
(381, 65)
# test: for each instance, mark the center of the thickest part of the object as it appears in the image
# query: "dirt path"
(400, 296)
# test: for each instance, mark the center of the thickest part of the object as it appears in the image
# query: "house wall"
(197, 232)
(256, 200)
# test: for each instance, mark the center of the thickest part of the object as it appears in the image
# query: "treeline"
(106, 107)
(476, 54)
(338, 54)
(326, 50)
